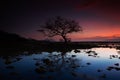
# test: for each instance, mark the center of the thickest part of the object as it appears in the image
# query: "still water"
(78, 64)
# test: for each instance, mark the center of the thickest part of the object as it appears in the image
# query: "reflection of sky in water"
(101, 62)
(26, 66)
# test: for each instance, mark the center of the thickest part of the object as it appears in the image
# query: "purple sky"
(100, 19)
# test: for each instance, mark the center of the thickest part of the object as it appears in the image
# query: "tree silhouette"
(60, 26)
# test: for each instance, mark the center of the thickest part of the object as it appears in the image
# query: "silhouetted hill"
(11, 37)
(12, 42)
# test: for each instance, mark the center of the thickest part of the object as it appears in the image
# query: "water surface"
(78, 64)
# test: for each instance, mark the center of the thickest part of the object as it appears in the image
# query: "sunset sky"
(100, 19)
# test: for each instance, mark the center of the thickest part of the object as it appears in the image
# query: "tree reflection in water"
(58, 63)
(64, 63)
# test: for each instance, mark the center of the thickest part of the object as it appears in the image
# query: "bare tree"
(60, 26)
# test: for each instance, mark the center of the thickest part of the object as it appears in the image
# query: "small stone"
(40, 70)
(88, 63)
(73, 55)
(37, 64)
(76, 51)
(99, 70)
(117, 68)
(117, 64)
(18, 59)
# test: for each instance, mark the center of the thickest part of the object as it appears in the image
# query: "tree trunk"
(65, 39)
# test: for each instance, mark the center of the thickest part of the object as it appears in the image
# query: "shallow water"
(80, 64)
